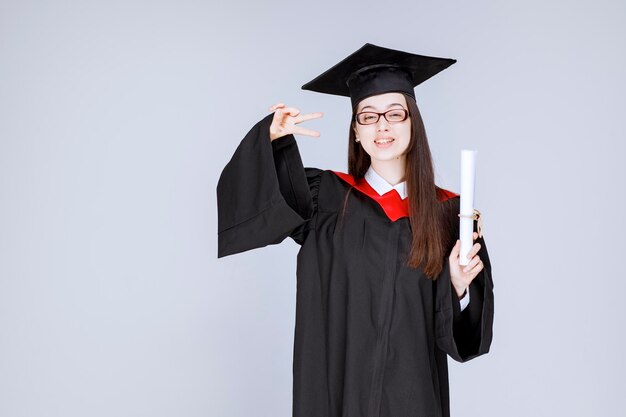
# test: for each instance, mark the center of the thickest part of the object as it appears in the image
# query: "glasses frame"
(406, 116)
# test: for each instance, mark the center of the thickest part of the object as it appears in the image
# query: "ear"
(356, 131)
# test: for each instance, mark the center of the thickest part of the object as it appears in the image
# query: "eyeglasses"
(392, 116)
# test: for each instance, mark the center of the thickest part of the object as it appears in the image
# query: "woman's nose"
(382, 123)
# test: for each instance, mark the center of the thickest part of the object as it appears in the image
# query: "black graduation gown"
(371, 334)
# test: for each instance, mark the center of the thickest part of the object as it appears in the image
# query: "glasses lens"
(396, 115)
(367, 118)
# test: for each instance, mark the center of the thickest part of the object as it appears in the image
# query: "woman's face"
(384, 140)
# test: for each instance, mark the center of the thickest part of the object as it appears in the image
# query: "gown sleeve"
(465, 334)
(264, 193)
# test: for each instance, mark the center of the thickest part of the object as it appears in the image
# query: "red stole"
(392, 204)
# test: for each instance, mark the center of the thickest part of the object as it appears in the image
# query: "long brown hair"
(430, 230)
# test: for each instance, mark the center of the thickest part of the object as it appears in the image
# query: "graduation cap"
(375, 70)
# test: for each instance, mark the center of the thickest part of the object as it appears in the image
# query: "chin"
(386, 158)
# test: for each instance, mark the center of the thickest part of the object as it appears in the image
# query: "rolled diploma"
(466, 225)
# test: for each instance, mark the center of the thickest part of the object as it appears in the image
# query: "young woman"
(381, 295)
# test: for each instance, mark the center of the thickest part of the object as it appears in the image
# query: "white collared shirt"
(381, 186)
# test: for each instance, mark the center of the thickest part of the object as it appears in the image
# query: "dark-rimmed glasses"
(392, 116)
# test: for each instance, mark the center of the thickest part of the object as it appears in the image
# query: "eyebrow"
(389, 106)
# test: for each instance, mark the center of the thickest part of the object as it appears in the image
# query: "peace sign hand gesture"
(286, 119)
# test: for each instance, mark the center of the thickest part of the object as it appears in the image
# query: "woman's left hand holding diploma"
(462, 276)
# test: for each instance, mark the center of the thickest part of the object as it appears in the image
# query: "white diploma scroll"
(466, 225)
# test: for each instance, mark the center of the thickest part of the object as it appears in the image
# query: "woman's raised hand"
(286, 119)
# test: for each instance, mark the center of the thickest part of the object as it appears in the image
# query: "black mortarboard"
(375, 70)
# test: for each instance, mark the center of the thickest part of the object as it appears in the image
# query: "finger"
(279, 123)
(277, 105)
(292, 111)
(281, 117)
(473, 272)
(479, 267)
(297, 130)
(309, 116)
(278, 116)
(474, 251)
(471, 264)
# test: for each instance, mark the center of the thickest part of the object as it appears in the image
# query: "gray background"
(117, 117)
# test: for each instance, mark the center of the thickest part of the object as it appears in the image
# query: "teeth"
(381, 141)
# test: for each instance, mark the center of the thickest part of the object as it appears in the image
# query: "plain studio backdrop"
(117, 117)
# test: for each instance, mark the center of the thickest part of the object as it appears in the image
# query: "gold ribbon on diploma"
(475, 216)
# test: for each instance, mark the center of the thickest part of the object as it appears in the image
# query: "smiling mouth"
(383, 141)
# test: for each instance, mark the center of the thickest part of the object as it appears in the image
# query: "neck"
(392, 171)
